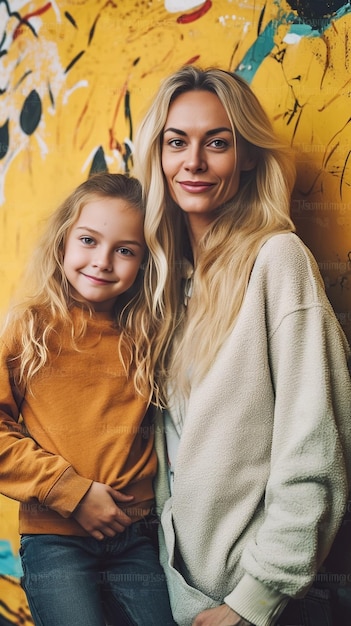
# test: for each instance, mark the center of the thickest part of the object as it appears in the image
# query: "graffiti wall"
(75, 78)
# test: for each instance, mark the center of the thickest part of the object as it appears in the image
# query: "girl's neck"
(95, 315)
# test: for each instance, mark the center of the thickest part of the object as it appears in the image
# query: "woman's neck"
(196, 230)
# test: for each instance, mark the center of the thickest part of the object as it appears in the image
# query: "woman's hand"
(99, 514)
(221, 615)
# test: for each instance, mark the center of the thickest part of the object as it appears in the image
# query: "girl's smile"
(103, 252)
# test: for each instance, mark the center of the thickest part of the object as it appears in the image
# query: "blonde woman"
(76, 442)
(254, 366)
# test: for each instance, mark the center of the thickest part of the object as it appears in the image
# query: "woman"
(254, 365)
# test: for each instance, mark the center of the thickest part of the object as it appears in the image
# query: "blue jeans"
(312, 610)
(80, 581)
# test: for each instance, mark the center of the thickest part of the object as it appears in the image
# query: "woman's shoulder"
(287, 271)
(286, 253)
(285, 245)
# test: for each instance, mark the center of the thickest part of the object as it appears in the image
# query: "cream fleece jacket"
(264, 460)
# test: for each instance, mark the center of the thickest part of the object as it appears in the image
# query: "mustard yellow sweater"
(82, 422)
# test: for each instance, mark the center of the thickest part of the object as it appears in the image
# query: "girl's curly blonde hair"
(44, 299)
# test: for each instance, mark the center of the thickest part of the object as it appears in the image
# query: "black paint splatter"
(31, 113)
(99, 162)
(74, 61)
(4, 139)
(314, 9)
(92, 30)
(71, 19)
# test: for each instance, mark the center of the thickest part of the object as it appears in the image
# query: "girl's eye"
(125, 251)
(88, 241)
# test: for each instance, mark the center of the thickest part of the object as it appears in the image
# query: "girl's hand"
(99, 514)
(221, 615)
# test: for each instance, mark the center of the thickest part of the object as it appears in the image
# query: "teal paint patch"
(264, 43)
(343, 10)
(314, 27)
(10, 565)
(262, 47)
(302, 30)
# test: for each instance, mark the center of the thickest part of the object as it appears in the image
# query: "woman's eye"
(88, 241)
(219, 143)
(176, 143)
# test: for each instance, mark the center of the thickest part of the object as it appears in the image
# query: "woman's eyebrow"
(221, 129)
(208, 133)
(174, 130)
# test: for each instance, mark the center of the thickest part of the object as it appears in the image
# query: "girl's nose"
(103, 261)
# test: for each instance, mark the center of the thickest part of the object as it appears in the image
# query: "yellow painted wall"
(68, 70)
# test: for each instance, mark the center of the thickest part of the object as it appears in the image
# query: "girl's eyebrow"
(96, 232)
(91, 230)
(208, 133)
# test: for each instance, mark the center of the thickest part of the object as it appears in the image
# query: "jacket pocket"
(186, 601)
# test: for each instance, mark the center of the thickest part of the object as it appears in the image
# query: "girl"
(76, 443)
(258, 428)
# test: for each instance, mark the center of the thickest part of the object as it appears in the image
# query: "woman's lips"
(195, 186)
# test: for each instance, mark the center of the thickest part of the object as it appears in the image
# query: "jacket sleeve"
(309, 481)
(27, 471)
(310, 467)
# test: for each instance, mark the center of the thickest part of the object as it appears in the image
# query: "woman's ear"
(248, 159)
(247, 154)
(248, 163)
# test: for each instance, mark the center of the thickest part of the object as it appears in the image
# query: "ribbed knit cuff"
(67, 492)
(256, 602)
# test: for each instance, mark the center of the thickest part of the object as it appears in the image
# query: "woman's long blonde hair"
(44, 300)
(229, 248)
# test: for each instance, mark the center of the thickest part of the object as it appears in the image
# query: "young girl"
(258, 431)
(76, 444)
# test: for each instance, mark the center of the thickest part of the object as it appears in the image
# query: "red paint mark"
(334, 27)
(193, 60)
(19, 30)
(79, 121)
(186, 18)
(113, 142)
(39, 11)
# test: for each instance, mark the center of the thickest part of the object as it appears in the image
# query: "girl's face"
(199, 159)
(103, 251)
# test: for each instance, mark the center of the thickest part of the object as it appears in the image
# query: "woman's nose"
(195, 160)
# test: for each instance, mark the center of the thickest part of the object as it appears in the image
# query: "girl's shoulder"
(28, 323)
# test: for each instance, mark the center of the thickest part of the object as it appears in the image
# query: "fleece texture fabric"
(263, 467)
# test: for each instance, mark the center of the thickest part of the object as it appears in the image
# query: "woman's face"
(199, 159)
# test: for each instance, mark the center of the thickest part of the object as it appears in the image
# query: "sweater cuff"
(67, 492)
(256, 602)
